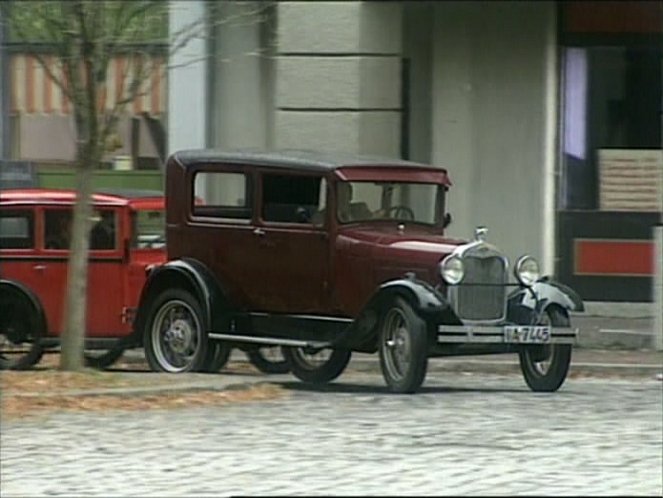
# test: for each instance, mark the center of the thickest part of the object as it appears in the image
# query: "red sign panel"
(613, 257)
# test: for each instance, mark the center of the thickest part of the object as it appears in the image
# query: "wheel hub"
(179, 335)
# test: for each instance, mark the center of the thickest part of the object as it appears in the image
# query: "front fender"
(424, 298)
(426, 301)
(527, 304)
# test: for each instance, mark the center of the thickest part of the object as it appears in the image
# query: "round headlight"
(527, 270)
(452, 270)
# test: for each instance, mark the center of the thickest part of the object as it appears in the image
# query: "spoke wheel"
(317, 368)
(21, 330)
(269, 360)
(545, 367)
(403, 348)
(175, 336)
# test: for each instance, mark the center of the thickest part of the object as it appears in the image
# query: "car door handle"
(259, 231)
(39, 267)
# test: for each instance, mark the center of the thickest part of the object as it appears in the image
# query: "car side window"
(220, 194)
(292, 198)
(17, 229)
(103, 234)
(57, 228)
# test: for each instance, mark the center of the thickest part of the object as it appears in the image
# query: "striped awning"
(33, 91)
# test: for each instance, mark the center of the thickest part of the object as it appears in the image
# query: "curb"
(513, 368)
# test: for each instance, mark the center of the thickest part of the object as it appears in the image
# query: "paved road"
(463, 434)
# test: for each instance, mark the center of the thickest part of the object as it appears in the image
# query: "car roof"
(294, 159)
(110, 197)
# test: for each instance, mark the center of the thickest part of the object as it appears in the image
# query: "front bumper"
(505, 334)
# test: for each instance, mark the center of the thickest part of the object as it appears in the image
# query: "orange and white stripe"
(34, 92)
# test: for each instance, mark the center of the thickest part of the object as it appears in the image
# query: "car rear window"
(220, 194)
(17, 230)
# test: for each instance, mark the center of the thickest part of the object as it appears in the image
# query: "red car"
(127, 239)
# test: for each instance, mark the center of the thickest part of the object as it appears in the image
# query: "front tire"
(403, 348)
(317, 368)
(175, 336)
(545, 367)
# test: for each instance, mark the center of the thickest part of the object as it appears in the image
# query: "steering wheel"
(400, 212)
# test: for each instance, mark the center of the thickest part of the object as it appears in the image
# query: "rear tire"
(175, 336)
(316, 368)
(263, 360)
(403, 348)
(545, 367)
(219, 354)
(102, 360)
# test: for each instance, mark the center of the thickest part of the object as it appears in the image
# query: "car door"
(19, 259)
(105, 288)
(218, 229)
(290, 252)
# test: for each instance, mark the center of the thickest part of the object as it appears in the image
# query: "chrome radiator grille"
(473, 299)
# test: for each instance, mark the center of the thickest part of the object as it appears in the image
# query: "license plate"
(527, 334)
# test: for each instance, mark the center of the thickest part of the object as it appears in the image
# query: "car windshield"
(149, 229)
(406, 201)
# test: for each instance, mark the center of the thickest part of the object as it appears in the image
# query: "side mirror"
(447, 220)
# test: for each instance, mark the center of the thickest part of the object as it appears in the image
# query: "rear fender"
(193, 276)
(17, 288)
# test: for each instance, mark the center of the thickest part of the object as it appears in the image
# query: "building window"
(611, 102)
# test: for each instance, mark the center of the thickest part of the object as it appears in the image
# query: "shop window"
(612, 100)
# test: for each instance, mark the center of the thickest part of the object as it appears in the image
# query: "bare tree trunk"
(73, 334)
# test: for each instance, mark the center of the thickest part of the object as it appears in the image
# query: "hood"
(393, 252)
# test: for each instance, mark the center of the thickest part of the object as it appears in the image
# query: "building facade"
(547, 115)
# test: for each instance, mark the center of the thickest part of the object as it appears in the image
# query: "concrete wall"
(338, 76)
(491, 122)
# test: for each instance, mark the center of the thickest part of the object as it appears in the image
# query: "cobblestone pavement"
(462, 435)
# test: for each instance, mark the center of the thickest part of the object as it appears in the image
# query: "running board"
(273, 341)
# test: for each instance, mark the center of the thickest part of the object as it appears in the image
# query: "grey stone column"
(338, 76)
(241, 82)
(187, 79)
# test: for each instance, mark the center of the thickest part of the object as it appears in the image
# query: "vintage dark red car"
(325, 254)
(127, 238)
